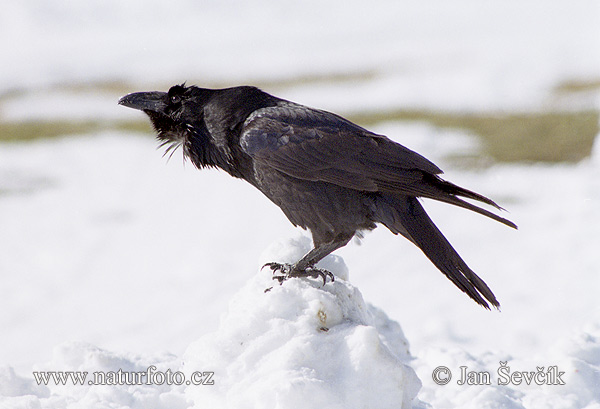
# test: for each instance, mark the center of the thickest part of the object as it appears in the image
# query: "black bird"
(326, 173)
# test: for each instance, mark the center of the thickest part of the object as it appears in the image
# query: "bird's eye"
(175, 99)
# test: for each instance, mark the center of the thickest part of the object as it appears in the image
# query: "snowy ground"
(112, 259)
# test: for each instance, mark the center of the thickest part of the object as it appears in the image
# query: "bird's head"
(169, 111)
(204, 122)
(177, 115)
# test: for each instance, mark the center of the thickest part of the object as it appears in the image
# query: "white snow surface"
(300, 344)
(460, 55)
(158, 267)
(303, 344)
(112, 260)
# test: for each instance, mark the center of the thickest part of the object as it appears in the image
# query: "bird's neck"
(200, 149)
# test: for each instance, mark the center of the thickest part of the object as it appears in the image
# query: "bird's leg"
(287, 271)
(305, 266)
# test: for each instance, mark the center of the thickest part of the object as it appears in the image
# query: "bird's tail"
(405, 215)
(444, 191)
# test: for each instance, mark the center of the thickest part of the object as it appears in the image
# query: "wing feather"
(320, 146)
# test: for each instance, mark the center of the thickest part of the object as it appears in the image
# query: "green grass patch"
(522, 137)
(577, 86)
(562, 136)
(531, 137)
(32, 130)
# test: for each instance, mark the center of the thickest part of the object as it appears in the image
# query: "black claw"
(281, 279)
(287, 271)
(283, 267)
(272, 266)
(319, 272)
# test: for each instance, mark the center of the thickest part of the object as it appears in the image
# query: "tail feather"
(447, 192)
(457, 201)
(405, 215)
(452, 189)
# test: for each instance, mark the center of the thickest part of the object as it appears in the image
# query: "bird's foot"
(287, 271)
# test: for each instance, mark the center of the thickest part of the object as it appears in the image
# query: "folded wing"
(320, 146)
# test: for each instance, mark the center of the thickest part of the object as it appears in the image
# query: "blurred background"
(523, 77)
(102, 240)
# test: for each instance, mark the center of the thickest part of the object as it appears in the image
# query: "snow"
(112, 259)
(576, 354)
(303, 339)
(128, 267)
(275, 345)
(18, 392)
(465, 55)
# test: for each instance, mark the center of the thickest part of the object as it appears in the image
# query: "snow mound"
(305, 345)
(302, 345)
(568, 375)
(79, 358)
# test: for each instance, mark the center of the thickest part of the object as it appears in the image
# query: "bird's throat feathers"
(201, 150)
(195, 141)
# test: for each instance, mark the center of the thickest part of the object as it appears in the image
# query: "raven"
(327, 174)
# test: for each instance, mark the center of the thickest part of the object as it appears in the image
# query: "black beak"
(145, 101)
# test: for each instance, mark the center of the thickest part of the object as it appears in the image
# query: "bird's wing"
(320, 146)
(316, 145)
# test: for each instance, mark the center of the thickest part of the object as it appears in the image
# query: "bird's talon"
(281, 279)
(287, 271)
(284, 268)
(319, 272)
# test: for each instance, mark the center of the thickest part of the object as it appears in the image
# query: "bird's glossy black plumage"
(326, 173)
